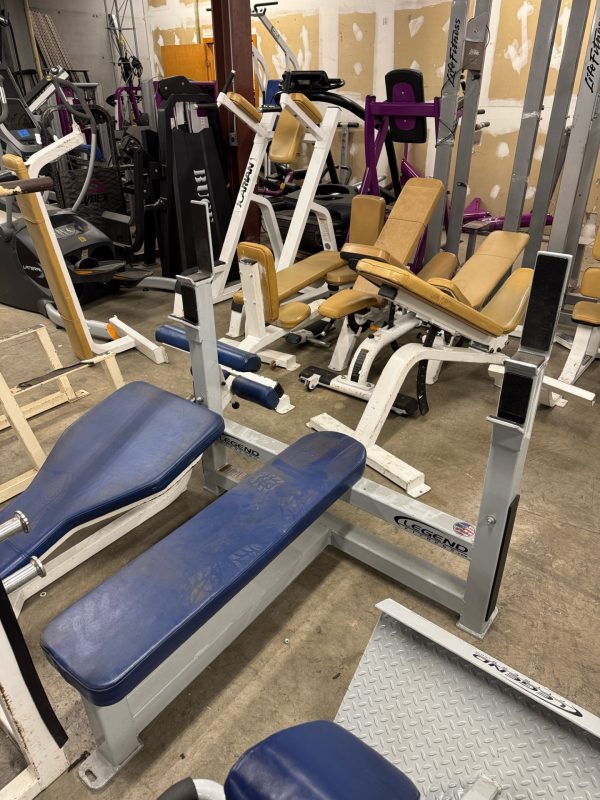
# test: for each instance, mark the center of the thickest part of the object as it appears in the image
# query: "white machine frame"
(284, 252)
(484, 349)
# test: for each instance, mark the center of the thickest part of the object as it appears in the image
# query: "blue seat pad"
(106, 643)
(228, 355)
(128, 447)
(316, 761)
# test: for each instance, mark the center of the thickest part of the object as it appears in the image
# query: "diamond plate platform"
(445, 722)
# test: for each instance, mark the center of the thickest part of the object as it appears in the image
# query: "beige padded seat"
(362, 295)
(586, 311)
(245, 106)
(402, 231)
(478, 277)
(500, 316)
(287, 316)
(366, 220)
(292, 314)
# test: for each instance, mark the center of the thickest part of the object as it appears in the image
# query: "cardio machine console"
(19, 132)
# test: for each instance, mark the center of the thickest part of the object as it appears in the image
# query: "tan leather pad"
(268, 277)
(480, 274)
(409, 217)
(352, 251)
(449, 287)
(287, 138)
(307, 106)
(499, 316)
(590, 282)
(507, 307)
(341, 276)
(314, 268)
(442, 265)
(586, 312)
(367, 214)
(243, 104)
(292, 314)
(349, 301)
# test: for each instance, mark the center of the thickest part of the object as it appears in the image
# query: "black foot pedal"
(312, 377)
(405, 406)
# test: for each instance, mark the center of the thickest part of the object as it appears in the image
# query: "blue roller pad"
(316, 761)
(106, 643)
(229, 356)
(130, 446)
(259, 393)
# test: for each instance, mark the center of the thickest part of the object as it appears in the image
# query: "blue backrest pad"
(128, 447)
(106, 643)
(316, 760)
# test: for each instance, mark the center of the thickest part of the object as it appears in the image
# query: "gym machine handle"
(259, 8)
(30, 186)
(18, 523)
(84, 112)
(229, 82)
(35, 569)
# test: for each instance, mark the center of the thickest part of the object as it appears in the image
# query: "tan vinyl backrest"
(590, 283)
(481, 274)
(408, 219)
(62, 293)
(500, 316)
(367, 214)
(287, 138)
(289, 131)
(245, 106)
(268, 277)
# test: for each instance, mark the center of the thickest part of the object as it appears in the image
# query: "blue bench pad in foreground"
(106, 643)
(316, 761)
(130, 446)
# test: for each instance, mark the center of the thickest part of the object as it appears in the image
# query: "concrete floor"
(295, 662)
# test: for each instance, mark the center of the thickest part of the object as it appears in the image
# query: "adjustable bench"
(128, 457)
(236, 365)
(487, 329)
(398, 242)
(132, 644)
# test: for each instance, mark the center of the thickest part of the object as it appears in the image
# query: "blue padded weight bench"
(135, 642)
(126, 458)
(313, 761)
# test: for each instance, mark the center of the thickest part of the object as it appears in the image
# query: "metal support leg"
(117, 738)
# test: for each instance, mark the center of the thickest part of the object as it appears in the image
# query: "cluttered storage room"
(299, 355)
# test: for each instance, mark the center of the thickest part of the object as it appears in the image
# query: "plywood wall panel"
(357, 51)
